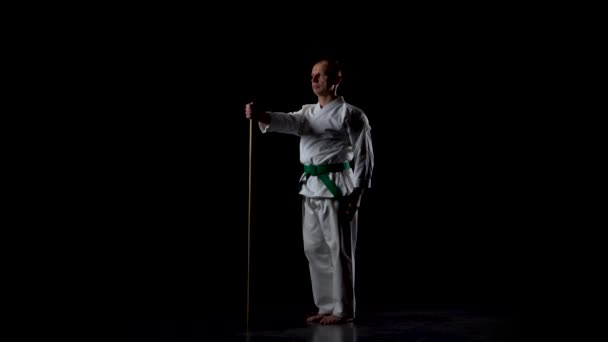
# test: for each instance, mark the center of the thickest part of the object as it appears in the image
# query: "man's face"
(321, 84)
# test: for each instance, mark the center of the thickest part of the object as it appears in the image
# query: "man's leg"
(319, 258)
(348, 237)
(341, 238)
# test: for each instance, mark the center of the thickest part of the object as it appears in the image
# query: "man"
(332, 134)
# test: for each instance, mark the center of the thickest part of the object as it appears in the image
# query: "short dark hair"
(334, 66)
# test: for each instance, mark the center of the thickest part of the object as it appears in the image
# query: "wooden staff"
(249, 220)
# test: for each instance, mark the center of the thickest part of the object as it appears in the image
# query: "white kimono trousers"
(336, 133)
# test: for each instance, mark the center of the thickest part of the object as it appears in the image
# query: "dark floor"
(411, 325)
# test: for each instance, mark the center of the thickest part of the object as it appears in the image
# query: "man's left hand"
(350, 204)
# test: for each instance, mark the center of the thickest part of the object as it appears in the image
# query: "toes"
(315, 318)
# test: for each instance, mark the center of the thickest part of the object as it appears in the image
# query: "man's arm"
(359, 132)
(289, 123)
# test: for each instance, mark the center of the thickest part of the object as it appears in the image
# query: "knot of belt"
(322, 172)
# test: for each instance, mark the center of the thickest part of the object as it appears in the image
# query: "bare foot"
(315, 318)
(331, 319)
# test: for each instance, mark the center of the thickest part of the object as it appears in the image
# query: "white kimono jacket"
(336, 133)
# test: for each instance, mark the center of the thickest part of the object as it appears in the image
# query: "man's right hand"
(252, 114)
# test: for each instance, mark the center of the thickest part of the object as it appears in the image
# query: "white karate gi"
(336, 133)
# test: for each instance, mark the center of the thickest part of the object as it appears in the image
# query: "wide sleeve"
(288, 123)
(359, 131)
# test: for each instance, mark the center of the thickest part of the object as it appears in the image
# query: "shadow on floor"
(416, 325)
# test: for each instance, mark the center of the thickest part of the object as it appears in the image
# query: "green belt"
(322, 172)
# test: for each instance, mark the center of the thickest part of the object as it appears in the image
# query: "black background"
(164, 162)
